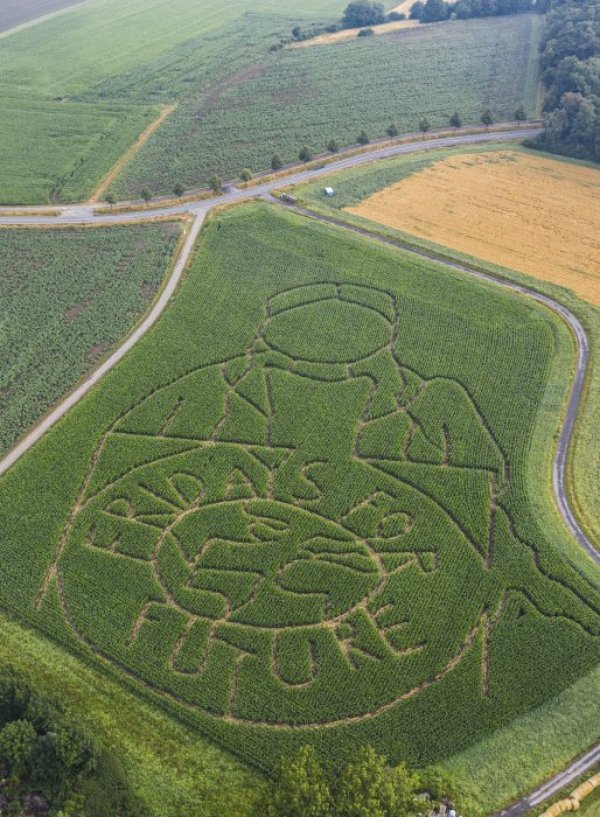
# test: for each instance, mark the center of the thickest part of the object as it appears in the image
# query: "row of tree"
(306, 155)
(434, 11)
(570, 62)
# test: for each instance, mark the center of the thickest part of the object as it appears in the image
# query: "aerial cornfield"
(66, 297)
(295, 514)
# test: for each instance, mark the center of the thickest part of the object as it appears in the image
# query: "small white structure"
(329, 192)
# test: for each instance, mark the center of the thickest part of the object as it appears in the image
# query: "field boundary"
(130, 153)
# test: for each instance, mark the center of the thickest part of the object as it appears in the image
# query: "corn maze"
(307, 531)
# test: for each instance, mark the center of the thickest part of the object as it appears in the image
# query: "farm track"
(86, 215)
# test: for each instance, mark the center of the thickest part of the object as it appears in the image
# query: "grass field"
(308, 96)
(14, 13)
(366, 569)
(536, 215)
(66, 296)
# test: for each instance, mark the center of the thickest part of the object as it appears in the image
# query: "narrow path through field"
(85, 215)
(130, 153)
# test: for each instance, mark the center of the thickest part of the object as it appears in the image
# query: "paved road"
(78, 214)
(85, 214)
(554, 785)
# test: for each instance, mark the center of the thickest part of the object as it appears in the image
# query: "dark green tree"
(300, 789)
(215, 184)
(146, 195)
(17, 742)
(332, 146)
(368, 787)
(178, 189)
(416, 10)
(305, 155)
(276, 163)
(361, 13)
(434, 11)
(520, 114)
(424, 125)
(392, 131)
(456, 120)
(366, 32)
(363, 138)
(486, 118)
(110, 199)
(246, 175)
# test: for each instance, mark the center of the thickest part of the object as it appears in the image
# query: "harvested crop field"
(533, 214)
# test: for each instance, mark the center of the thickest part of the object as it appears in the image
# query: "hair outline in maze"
(242, 574)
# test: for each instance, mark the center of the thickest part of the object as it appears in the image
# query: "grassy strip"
(513, 761)
(176, 771)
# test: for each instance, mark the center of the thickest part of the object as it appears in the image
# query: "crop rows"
(299, 513)
(66, 296)
(310, 96)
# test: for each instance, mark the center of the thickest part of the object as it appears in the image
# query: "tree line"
(570, 63)
(434, 11)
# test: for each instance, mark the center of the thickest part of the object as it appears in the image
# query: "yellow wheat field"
(533, 214)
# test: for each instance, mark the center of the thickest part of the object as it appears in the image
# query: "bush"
(362, 13)
(215, 184)
(520, 114)
(365, 32)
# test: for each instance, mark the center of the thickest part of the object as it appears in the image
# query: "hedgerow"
(292, 531)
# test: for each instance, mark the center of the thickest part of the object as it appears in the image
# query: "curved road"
(86, 214)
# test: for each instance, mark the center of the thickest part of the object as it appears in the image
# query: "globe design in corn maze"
(307, 533)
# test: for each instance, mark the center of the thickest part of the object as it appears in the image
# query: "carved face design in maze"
(305, 534)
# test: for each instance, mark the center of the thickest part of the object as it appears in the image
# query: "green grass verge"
(285, 541)
(66, 297)
(516, 759)
(174, 770)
